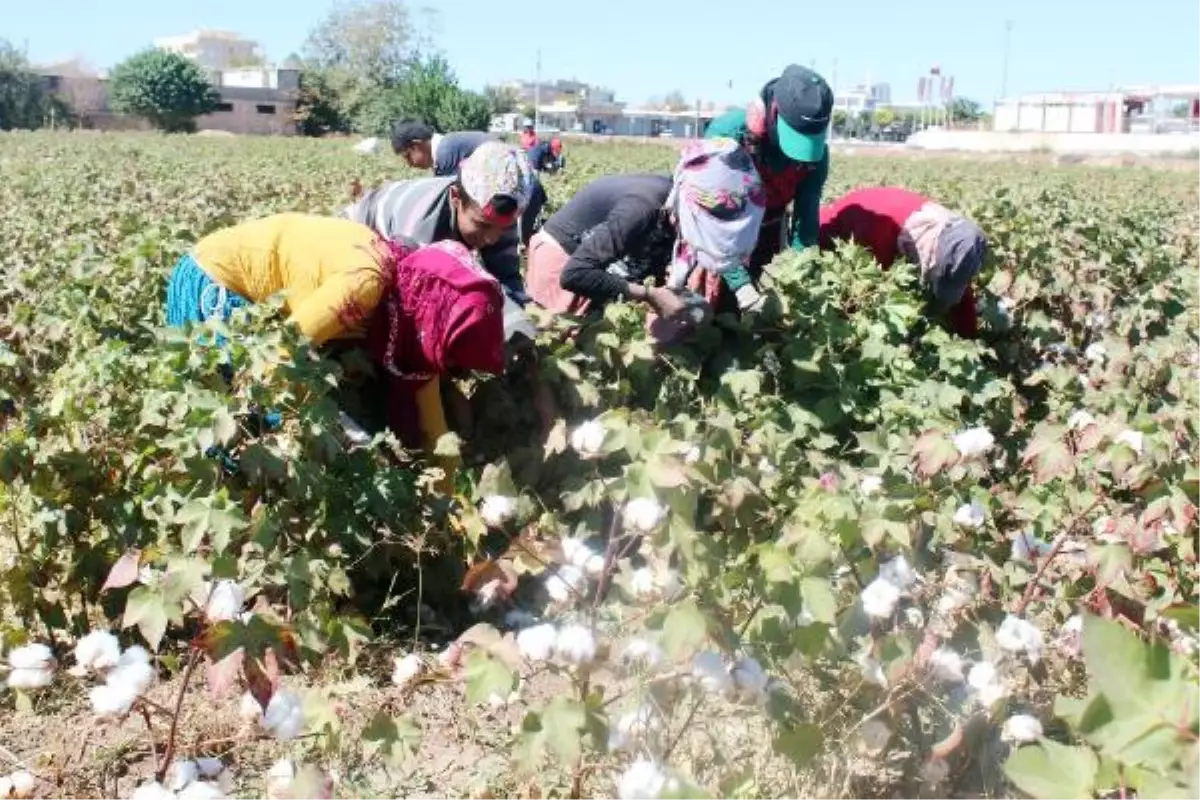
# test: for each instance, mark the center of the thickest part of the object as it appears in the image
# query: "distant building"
(862, 97)
(219, 50)
(1155, 109)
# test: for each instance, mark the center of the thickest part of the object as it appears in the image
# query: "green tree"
(25, 101)
(675, 101)
(884, 117)
(318, 107)
(429, 91)
(839, 122)
(165, 88)
(501, 99)
(965, 109)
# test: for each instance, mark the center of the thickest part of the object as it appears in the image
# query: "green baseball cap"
(805, 104)
(804, 147)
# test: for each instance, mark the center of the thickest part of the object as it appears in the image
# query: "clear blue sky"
(642, 48)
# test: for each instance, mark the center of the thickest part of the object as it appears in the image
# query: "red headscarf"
(443, 311)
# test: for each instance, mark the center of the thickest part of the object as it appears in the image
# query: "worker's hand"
(666, 303)
(749, 299)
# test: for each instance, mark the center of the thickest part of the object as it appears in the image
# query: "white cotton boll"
(1134, 439)
(280, 778)
(588, 438)
(112, 699)
(201, 790)
(210, 767)
(497, 509)
(488, 595)
(935, 771)
(669, 583)
(1079, 420)
(872, 670)
(593, 566)
(99, 650)
(643, 514)
(576, 644)
(898, 573)
(914, 618)
(1026, 546)
(641, 780)
(879, 599)
(31, 656)
(970, 515)
(691, 455)
(1021, 728)
(634, 726)
(985, 683)
(183, 771)
(30, 678)
(406, 669)
(642, 583)
(1099, 320)
(284, 717)
(152, 790)
(537, 643)
(519, 618)
(750, 679)
(6, 787)
(946, 665)
(1016, 635)
(248, 709)
(767, 468)
(708, 668)
(870, 484)
(565, 583)
(641, 652)
(874, 736)
(225, 601)
(133, 671)
(1095, 352)
(23, 784)
(974, 442)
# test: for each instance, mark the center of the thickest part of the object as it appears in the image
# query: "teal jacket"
(785, 181)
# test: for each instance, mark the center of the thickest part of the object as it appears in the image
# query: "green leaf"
(1049, 457)
(818, 599)
(487, 677)
(562, 724)
(800, 743)
(201, 517)
(1187, 615)
(684, 630)
(395, 738)
(150, 612)
(1052, 770)
(225, 427)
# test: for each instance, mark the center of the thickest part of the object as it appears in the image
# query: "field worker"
(529, 137)
(784, 130)
(423, 148)
(420, 312)
(476, 206)
(683, 230)
(894, 223)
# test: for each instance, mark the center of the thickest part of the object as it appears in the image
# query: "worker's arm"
(586, 272)
(503, 260)
(806, 207)
(432, 419)
(964, 316)
(731, 125)
(341, 304)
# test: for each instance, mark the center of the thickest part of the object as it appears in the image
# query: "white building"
(1167, 109)
(213, 50)
(863, 97)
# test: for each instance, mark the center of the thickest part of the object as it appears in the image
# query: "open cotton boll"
(643, 514)
(879, 599)
(709, 670)
(99, 650)
(112, 699)
(1016, 635)
(985, 683)
(898, 572)
(248, 708)
(1026, 545)
(642, 583)
(497, 509)
(576, 644)
(635, 726)
(641, 652)
(565, 583)
(750, 679)
(970, 515)
(284, 717)
(641, 780)
(1021, 728)
(974, 442)
(152, 790)
(872, 670)
(1095, 352)
(1079, 420)
(201, 790)
(537, 643)
(22, 784)
(31, 656)
(406, 669)
(182, 772)
(225, 601)
(210, 767)
(691, 455)
(1070, 636)
(29, 678)
(870, 484)
(133, 671)
(588, 438)
(946, 665)
(280, 778)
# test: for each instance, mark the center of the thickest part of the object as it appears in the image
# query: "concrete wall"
(1072, 143)
(246, 117)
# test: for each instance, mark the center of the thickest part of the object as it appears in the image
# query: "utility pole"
(1008, 26)
(537, 91)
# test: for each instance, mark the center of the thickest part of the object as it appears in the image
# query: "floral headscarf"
(494, 170)
(718, 203)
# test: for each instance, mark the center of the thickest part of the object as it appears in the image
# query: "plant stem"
(170, 748)
(1027, 597)
(150, 729)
